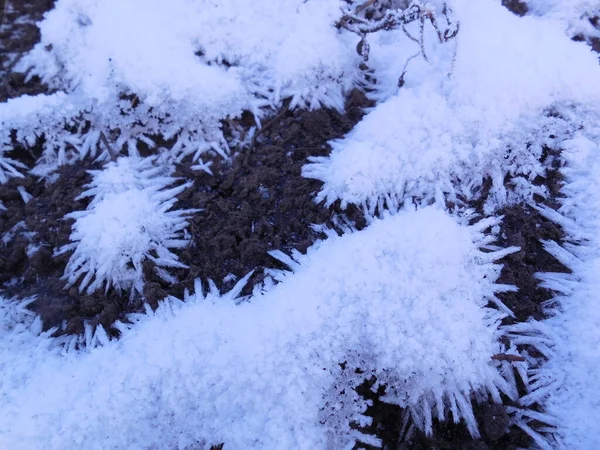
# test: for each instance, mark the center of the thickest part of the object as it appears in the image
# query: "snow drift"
(405, 300)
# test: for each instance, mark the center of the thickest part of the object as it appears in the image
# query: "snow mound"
(483, 108)
(136, 70)
(405, 300)
(127, 222)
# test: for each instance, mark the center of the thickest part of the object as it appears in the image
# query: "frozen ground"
(472, 111)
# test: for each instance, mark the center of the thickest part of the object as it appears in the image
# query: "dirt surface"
(254, 203)
(261, 202)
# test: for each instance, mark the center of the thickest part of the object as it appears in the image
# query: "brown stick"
(509, 358)
(271, 122)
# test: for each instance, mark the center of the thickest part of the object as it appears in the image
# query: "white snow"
(575, 15)
(28, 116)
(404, 299)
(136, 69)
(149, 48)
(128, 221)
(407, 299)
(484, 111)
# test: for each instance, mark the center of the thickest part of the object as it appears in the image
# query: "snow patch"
(405, 300)
(139, 69)
(491, 105)
(128, 221)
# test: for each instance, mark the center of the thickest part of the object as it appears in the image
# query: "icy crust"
(484, 107)
(566, 385)
(136, 70)
(405, 299)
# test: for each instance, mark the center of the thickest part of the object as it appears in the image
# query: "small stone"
(495, 421)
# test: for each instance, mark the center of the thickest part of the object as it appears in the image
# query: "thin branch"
(410, 36)
(401, 79)
(111, 151)
(270, 123)
(394, 19)
(422, 38)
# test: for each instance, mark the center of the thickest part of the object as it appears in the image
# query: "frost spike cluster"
(128, 221)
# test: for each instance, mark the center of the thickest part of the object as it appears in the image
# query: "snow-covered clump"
(483, 108)
(406, 300)
(128, 221)
(29, 117)
(139, 69)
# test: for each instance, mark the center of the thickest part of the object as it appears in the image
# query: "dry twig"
(509, 358)
(394, 19)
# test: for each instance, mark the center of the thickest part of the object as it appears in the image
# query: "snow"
(492, 94)
(27, 115)
(157, 59)
(575, 15)
(404, 299)
(139, 69)
(127, 222)
(410, 299)
(32, 117)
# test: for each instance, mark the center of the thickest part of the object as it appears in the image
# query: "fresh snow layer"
(404, 299)
(174, 51)
(136, 69)
(484, 107)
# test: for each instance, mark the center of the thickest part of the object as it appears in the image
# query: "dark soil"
(257, 203)
(254, 203)
(261, 202)
(516, 6)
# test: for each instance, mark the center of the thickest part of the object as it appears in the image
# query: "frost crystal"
(565, 382)
(128, 221)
